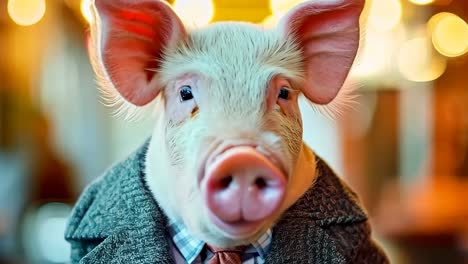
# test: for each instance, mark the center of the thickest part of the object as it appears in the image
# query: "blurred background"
(403, 147)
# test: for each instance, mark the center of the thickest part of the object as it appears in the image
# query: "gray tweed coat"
(116, 220)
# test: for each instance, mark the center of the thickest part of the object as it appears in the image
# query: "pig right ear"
(128, 39)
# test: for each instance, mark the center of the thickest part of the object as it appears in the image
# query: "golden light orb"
(384, 15)
(449, 34)
(195, 13)
(26, 12)
(271, 21)
(371, 60)
(417, 62)
(281, 7)
(421, 2)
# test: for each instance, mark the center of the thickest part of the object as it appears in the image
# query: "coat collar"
(328, 202)
(119, 210)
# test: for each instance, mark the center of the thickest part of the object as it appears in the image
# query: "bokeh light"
(281, 7)
(377, 54)
(371, 60)
(85, 8)
(271, 21)
(434, 20)
(195, 13)
(416, 61)
(50, 235)
(26, 12)
(421, 2)
(384, 15)
(449, 34)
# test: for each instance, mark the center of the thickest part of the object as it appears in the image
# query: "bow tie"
(226, 255)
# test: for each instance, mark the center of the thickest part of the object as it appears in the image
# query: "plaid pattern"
(194, 250)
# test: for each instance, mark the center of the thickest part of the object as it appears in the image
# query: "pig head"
(226, 157)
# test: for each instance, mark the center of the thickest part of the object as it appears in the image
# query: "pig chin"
(242, 188)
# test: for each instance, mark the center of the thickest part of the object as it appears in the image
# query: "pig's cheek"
(191, 206)
(185, 197)
(180, 111)
(187, 192)
(193, 212)
(290, 129)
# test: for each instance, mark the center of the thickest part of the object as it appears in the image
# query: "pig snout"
(242, 187)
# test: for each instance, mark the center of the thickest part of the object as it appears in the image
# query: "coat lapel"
(301, 237)
(298, 242)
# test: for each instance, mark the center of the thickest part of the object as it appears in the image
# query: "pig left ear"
(328, 34)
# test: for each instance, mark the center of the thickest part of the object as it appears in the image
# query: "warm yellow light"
(271, 21)
(26, 12)
(372, 60)
(281, 7)
(376, 57)
(421, 2)
(384, 15)
(434, 20)
(195, 13)
(417, 62)
(86, 10)
(449, 34)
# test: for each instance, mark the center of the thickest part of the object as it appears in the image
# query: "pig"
(226, 166)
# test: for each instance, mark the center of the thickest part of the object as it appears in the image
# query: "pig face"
(231, 131)
(223, 157)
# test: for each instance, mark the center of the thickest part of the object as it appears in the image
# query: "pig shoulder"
(117, 219)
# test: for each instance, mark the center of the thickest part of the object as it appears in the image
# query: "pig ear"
(328, 34)
(128, 38)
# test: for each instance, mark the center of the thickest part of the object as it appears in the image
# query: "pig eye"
(284, 93)
(186, 93)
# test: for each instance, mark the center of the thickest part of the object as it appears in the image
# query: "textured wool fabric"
(226, 255)
(117, 220)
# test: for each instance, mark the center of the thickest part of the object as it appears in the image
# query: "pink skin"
(241, 188)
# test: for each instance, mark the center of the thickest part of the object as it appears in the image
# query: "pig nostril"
(225, 182)
(260, 183)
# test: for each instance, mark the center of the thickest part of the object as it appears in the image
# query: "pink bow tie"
(226, 255)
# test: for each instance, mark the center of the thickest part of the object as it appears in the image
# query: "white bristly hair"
(191, 56)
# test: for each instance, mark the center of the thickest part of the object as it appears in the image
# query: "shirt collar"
(190, 247)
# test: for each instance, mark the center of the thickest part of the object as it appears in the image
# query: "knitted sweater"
(117, 220)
